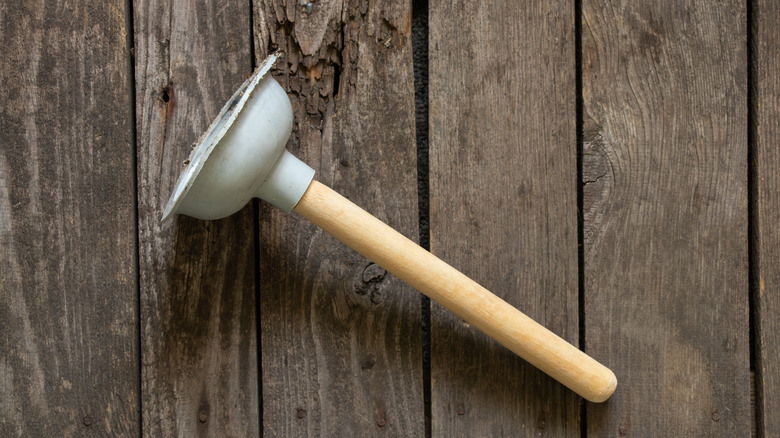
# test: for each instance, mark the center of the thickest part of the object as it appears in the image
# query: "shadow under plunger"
(242, 156)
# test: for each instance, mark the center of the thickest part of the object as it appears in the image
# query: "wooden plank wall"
(68, 309)
(503, 206)
(766, 211)
(641, 114)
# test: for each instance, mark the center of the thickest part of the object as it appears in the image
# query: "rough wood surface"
(198, 322)
(665, 209)
(68, 320)
(503, 206)
(766, 101)
(341, 348)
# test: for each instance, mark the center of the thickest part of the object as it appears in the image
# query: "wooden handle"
(464, 297)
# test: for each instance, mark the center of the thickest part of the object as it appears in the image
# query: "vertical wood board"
(665, 210)
(766, 107)
(503, 206)
(341, 342)
(198, 323)
(68, 292)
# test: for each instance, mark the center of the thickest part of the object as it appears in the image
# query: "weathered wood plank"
(503, 205)
(68, 292)
(341, 352)
(665, 209)
(199, 338)
(766, 39)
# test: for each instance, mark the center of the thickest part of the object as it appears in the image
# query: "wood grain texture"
(341, 342)
(766, 101)
(68, 293)
(665, 210)
(198, 316)
(503, 206)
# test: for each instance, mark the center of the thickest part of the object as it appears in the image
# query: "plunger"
(242, 156)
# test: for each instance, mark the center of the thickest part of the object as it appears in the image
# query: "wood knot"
(368, 362)
(167, 97)
(166, 94)
(370, 283)
(373, 274)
